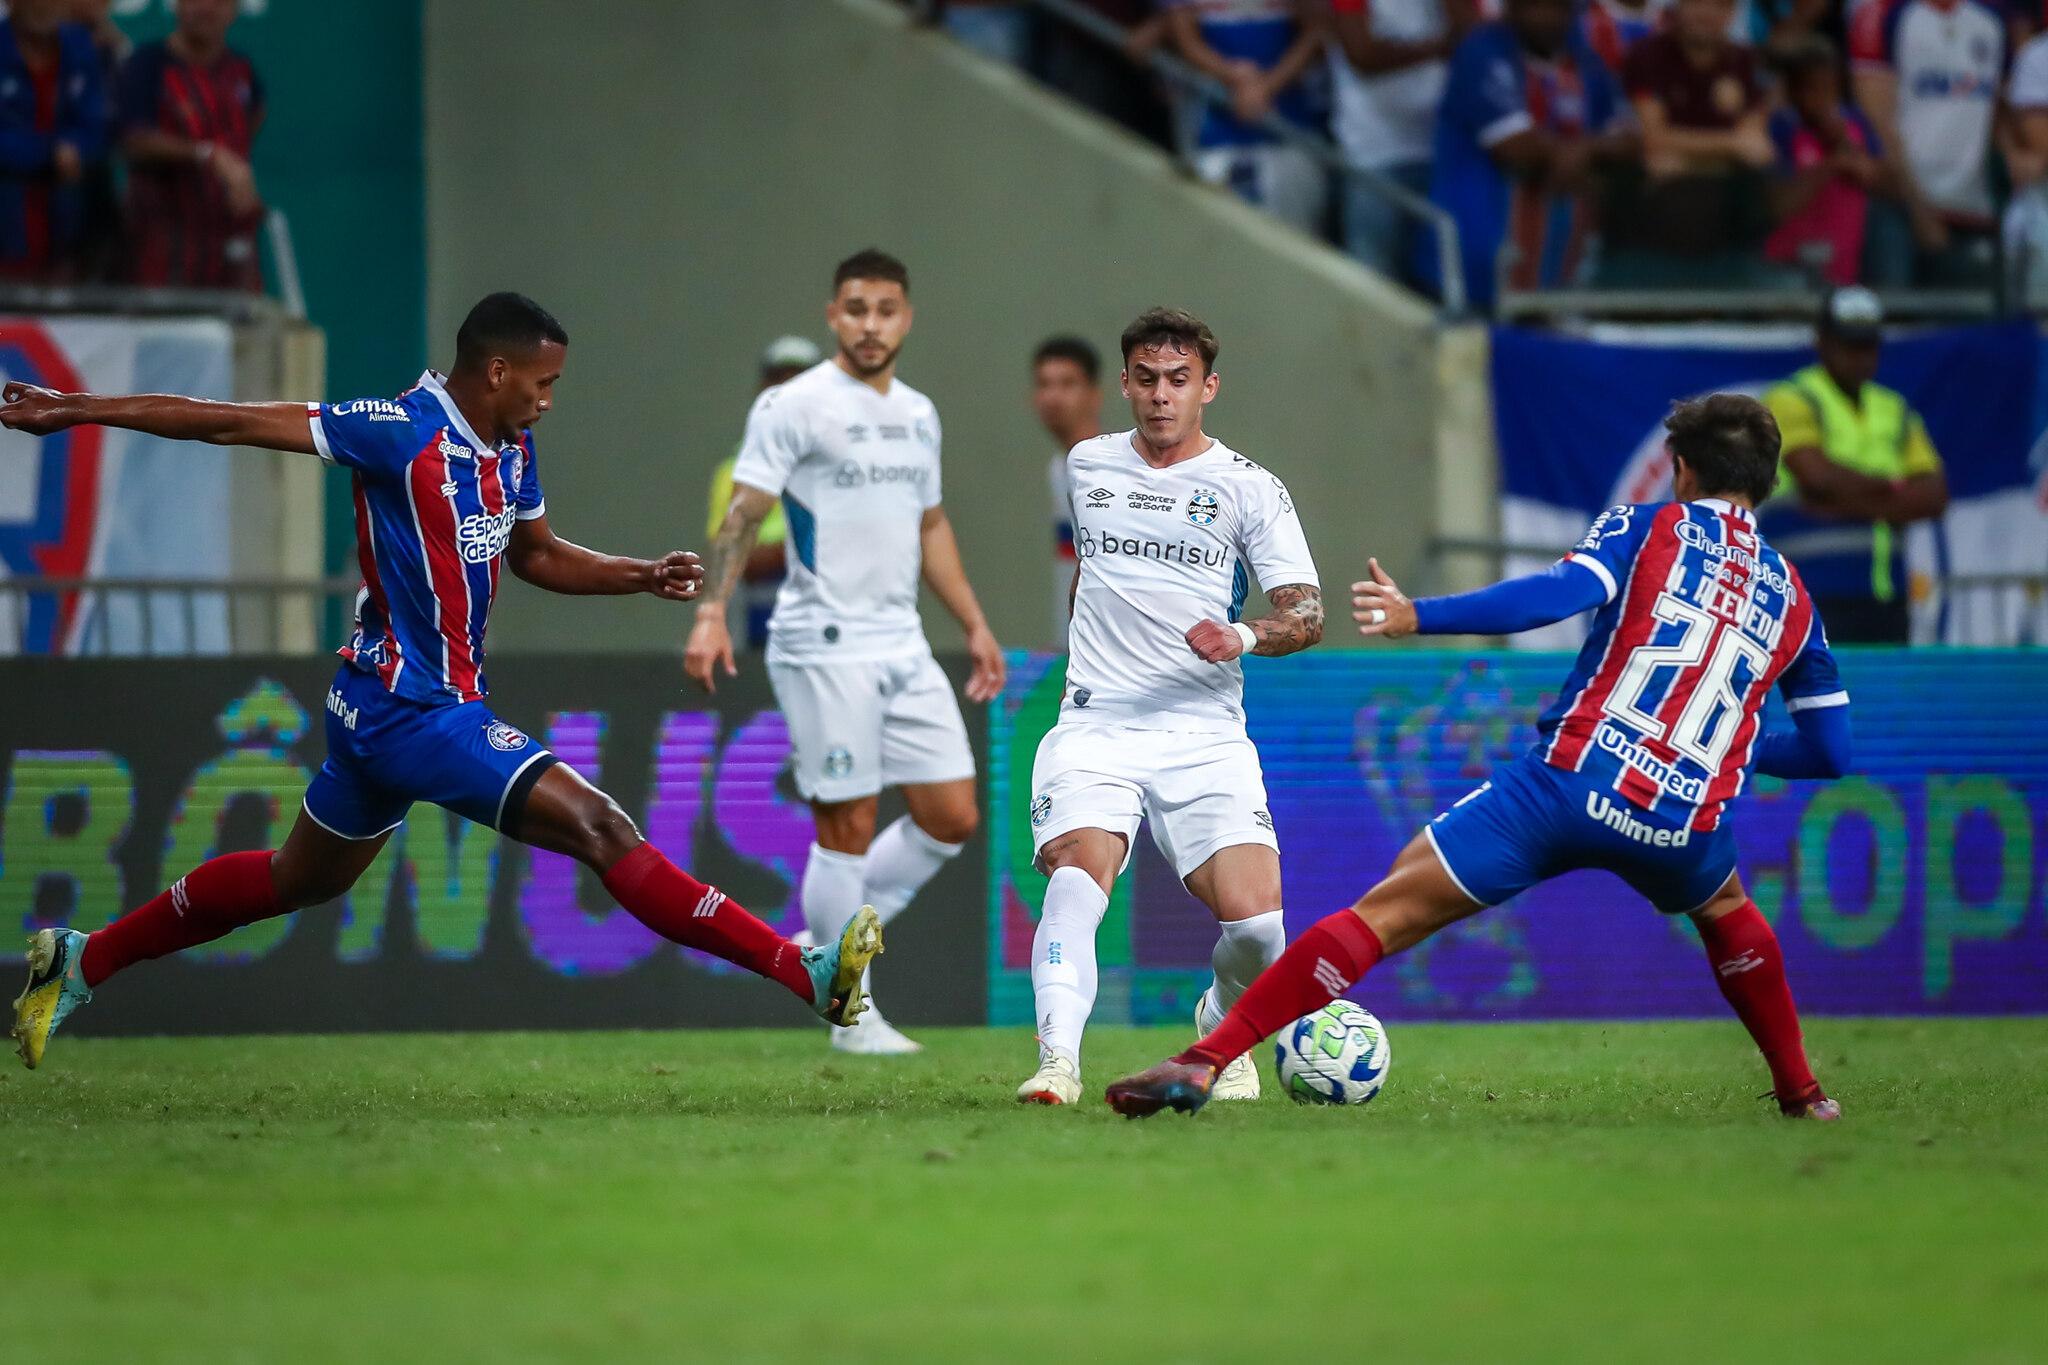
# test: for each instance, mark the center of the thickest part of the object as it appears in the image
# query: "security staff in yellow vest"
(1857, 468)
(783, 360)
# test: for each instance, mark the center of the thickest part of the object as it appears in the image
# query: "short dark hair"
(1173, 328)
(1070, 348)
(871, 264)
(505, 323)
(1804, 55)
(1730, 441)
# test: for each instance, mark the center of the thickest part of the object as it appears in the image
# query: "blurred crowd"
(122, 163)
(1607, 143)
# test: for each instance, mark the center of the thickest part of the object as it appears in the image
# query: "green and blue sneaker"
(836, 969)
(55, 988)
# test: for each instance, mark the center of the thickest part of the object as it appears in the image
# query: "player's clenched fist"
(37, 411)
(676, 576)
(1380, 607)
(1214, 642)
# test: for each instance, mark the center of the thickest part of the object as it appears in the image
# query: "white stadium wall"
(706, 163)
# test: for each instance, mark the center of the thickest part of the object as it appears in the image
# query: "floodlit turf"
(1573, 1192)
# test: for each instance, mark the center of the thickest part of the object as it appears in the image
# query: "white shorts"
(1200, 791)
(859, 727)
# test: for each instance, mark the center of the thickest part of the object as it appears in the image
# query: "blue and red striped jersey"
(1701, 619)
(435, 508)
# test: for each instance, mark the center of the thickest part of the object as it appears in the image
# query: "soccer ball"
(1338, 1055)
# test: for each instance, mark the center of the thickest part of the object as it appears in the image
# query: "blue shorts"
(1533, 822)
(384, 753)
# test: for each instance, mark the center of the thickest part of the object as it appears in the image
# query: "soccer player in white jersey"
(1171, 525)
(852, 452)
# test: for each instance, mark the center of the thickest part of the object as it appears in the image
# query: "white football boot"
(873, 1036)
(1239, 1080)
(1057, 1081)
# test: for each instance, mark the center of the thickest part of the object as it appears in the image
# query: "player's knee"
(300, 889)
(1085, 855)
(845, 826)
(1236, 903)
(953, 824)
(604, 834)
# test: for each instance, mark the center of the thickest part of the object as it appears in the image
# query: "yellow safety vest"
(1868, 437)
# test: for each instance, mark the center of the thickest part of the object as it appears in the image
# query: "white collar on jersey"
(1742, 514)
(847, 378)
(436, 383)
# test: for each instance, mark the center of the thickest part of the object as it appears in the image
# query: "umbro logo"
(856, 433)
(1100, 497)
(1329, 978)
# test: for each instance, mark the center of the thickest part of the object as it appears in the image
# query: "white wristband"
(1244, 633)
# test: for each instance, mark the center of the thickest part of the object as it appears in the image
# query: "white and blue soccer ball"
(1338, 1055)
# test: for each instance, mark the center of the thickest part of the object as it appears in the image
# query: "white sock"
(900, 861)
(1244, 948)
(1063, 960)
(831, 891)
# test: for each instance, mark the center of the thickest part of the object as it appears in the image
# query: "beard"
(855, 364)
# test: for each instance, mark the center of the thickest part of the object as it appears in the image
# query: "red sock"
(211, 900)
(1318, 967)
(1751, 973)
(684, 910)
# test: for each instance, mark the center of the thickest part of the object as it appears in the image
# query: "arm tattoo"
(729, 555)
(1295, 624)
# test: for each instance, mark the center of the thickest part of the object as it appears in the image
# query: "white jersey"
(1062, 547)
(856, 471)
(1160, 550)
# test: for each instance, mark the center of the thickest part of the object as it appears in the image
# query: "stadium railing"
(178, 617)
(1195, 86)
(1749, 305)
(235, 305)
(1537, 305)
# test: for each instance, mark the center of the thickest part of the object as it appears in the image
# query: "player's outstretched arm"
(1816, 744)
(1563, 590)
(547, 561)
(1295, 623)
(271, 426)
(709, 649)
(948, 578)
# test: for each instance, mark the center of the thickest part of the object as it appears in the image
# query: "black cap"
(1852, 314)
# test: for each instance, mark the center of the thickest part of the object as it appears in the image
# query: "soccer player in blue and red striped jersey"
(447, 492)
(1653, 735)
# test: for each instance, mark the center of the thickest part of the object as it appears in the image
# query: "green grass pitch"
(1528, 1192)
